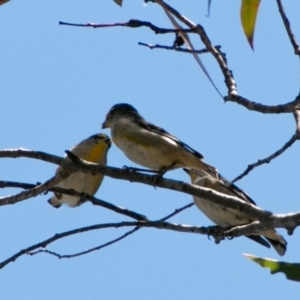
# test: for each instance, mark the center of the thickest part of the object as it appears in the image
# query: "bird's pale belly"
(80, 182)
(220, 215)
(147, 156)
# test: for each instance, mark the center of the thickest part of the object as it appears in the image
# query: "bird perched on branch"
(93, 149)
(149, 145)
(228, 217)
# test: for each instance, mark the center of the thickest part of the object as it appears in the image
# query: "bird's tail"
(54, 202)
(276, 240)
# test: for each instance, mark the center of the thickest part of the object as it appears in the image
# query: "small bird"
(149, 145)
(227, 217)
(93, 149)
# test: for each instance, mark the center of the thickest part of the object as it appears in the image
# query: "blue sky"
(57, 84)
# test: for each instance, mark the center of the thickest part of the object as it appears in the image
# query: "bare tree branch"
(215, 51)
(174, 48)
(131, 23)
(67, 170)
(89, 228)
(230, 83)
(288, 28)
(86, 251)
(13, 184)
(158, 30)
(252, 211)
(177, 211)
(58, 236)
(268, 159)
(127, 174)
(16, 153)
(296, 113)
(33, 192)
(288, 221)
(110, 242)
(71, 192)
(265, 109)
(117, 209)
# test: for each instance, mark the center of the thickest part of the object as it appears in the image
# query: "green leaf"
(3, 1)
(249, 11)
(291, 270)
(119, 2)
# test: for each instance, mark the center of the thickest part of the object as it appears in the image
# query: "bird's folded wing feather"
(237, 191)
(162, 132)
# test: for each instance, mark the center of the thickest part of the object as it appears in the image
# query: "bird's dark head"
(118, 111)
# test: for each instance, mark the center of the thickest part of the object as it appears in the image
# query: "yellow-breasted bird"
(93, 149)
(228, 217)
(149, 145)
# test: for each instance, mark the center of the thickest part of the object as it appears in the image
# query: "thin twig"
(160, 224)
(229, 80)
(288, 28)
(131, 23)
(102, 203)
(58, 236)
(268, 159)
(117, 209)
(86, 251)
(174, 48)
(265, 109)
(177, 211)
(190, 46)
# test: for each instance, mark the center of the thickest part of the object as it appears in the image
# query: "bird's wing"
(236, 190)
(162, 132)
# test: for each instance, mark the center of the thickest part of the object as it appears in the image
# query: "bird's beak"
(186, 170)
(103, 126)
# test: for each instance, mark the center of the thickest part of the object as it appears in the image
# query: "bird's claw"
(217, 232)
